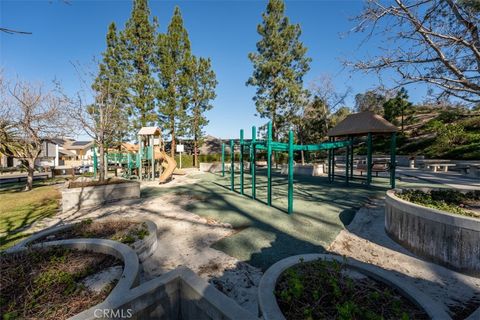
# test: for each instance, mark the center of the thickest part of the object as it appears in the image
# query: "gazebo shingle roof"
(360, 124)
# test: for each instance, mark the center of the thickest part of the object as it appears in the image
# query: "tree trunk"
(195, 153)
(402, 120)
(195, 141)
(30, 170)
(173, 145)
(101, 169)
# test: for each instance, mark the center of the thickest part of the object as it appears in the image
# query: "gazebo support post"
(232, 166)
(241, 161)
(330, 162)
(369, 158)
(252, 160)
(351, 157)
(393, 147)
(347, 161)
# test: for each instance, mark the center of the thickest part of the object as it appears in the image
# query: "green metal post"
(252, 160)
(329, 163)
(333, 161)
(140, 155)
(223, 159)
(347, 161)
(290, 172)
(95, 163)
(232, 166)
(241, 161)
(351, 157)
(369, 158)
(393, 160)
(269, 164)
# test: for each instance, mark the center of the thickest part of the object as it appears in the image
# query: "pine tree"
(138, 40)
(279, 66)
(174, 61)
(202, 92)
(108, 114)
(396, 107)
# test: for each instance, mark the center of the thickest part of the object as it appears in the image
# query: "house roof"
(67, 152)
(146, 131)
(78, 145)
(360, 124)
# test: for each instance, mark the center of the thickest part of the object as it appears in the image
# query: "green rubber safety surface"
(266, 234)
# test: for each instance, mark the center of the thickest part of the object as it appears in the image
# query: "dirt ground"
(365, 240)
(185, 239)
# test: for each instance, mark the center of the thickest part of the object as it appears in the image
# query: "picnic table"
(439, 166)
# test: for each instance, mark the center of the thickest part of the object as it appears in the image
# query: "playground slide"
(170, 168)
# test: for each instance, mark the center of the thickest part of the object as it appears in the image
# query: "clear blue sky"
(224, 30)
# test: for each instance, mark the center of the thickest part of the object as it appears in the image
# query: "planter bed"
(46, 283)
(322, 286)
(82, 194)
(450, 239)
(141, 235)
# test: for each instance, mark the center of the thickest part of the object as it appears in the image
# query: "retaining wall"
(178, 294)
(445, 238)
(78, 198)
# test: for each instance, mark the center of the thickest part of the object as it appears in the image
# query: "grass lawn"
(20, 209)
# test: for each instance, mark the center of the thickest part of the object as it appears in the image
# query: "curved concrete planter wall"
(445, 238)
(78, 198)
(144, 248)
(270, 310)
(119, 250)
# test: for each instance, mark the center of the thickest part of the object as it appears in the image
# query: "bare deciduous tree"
(100, 113)
(436, 42)
(29, 115)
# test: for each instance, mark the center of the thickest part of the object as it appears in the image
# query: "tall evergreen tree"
(107, 117)
(202, 93)
(174, 63)
(396, 107)
(279, 66)
(138, 40)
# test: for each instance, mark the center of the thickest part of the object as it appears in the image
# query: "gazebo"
(367, 124)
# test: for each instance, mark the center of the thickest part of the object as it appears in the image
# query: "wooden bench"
(436, 166)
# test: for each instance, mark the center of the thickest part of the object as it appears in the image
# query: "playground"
(232, 225)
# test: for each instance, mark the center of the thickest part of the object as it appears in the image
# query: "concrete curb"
(144, 248)
(270, 310)
(119, 250)
(449, 239)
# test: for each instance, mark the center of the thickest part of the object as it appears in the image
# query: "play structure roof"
(129, 147)
(362, 123)
(147, 131)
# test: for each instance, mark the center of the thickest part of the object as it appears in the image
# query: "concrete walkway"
(451, 179)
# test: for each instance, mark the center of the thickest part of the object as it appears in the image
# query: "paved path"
(451, 179)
